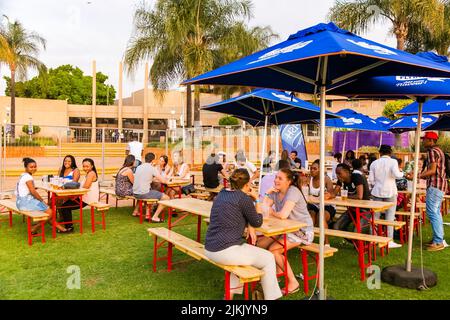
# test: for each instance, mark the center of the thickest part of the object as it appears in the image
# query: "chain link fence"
(48, 145)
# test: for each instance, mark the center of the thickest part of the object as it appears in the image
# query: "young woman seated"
(69, 169)
(125, 180)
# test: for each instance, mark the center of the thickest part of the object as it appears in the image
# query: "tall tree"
(423, 38)
(19, 52)
(359, 15)
(186, 38)
(64, 82)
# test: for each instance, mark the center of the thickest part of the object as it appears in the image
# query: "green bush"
(392, 107)
(228, 121)
(24, 141)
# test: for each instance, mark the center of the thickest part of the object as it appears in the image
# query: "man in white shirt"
(135, 148)
(382, 175)
(243, 163)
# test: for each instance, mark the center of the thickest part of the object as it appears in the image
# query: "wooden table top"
(363, 204)
(178, 183)
(192, 205)
(419, 191)
(61, 192)
(273, 226)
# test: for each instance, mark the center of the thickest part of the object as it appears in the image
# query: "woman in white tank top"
(314, 190)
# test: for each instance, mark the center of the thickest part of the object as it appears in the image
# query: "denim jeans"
(389, 214)
(433, 207)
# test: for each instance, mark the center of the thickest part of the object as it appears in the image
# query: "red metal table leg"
(286, 281)
(103, 220)
(81, 213)
(140, 211)
(246, 291)
(43, 231)
(53, 196)
(155, 252)
(10, 219)
(305, 271)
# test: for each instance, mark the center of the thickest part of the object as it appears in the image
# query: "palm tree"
(18, 50)
(186, 38)
(422, 38)
(359, 15)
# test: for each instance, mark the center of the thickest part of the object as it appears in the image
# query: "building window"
(312, 130)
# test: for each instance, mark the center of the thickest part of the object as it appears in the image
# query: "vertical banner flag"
(292, 139)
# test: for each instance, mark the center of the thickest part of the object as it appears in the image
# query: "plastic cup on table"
(344, 194)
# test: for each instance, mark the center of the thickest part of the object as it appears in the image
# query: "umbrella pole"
(344, 145)
(277, 144)
(381, 138)
(357, 143)
(263, 151)
(414, 190)
(323, 75)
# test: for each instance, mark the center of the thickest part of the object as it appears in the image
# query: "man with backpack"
(436, 177)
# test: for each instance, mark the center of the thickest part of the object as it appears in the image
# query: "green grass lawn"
(116, 264)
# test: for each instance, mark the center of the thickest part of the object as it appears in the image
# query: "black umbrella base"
(399, 277)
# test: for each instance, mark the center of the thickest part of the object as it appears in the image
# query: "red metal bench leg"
(10, 219)
(246, 291)
(199, 228)
(155, 253)
(227, 286)
(92, 219)
(169, 256)
(30, 236)
(81, 214)
(140, 211)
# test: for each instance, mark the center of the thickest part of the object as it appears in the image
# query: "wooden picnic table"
(54, 194)
(372, 206)
(271, 226)
(176, 184)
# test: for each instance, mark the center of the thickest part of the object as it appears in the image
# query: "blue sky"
(78, 31)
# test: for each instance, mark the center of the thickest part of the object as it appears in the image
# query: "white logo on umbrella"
(403, 78)
(447, 104)
(373, 47)
(351, 121)
(277, 52)
(424, 120)
(284, 97)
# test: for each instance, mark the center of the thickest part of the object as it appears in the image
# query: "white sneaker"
(445, 244)
(393, 245)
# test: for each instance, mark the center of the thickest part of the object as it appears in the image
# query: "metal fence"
(49, 144)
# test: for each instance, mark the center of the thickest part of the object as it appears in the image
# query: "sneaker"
(445, 244)
(436, 247)
(393, 245)
(299, 276)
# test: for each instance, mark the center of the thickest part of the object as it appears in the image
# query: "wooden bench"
(361, 239)
(32, 216)
(200, 195)
(147, 202)
(246, 274)
(382, 230)
(102, 208)
(314, 249)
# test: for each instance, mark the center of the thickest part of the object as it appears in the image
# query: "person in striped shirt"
(436, 189)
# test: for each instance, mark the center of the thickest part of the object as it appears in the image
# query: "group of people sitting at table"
(145, 181)
(28, 199)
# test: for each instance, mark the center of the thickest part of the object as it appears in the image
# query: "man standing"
(295, 162)
(436, 188)
(135, 148)
(382, 175)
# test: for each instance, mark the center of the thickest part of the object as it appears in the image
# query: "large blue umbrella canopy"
(384, 120)
(293, 64)
(355, 121)
(311, 61)
(409, 123)
(429, 107)
(441, 124)
(278, 106)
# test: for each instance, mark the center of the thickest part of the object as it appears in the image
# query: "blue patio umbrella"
(418, 87)
(429, 107)
(409, 123)
(268, 107)
(355, 121)
(311, 61)
(441, 124)
(384, 120)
